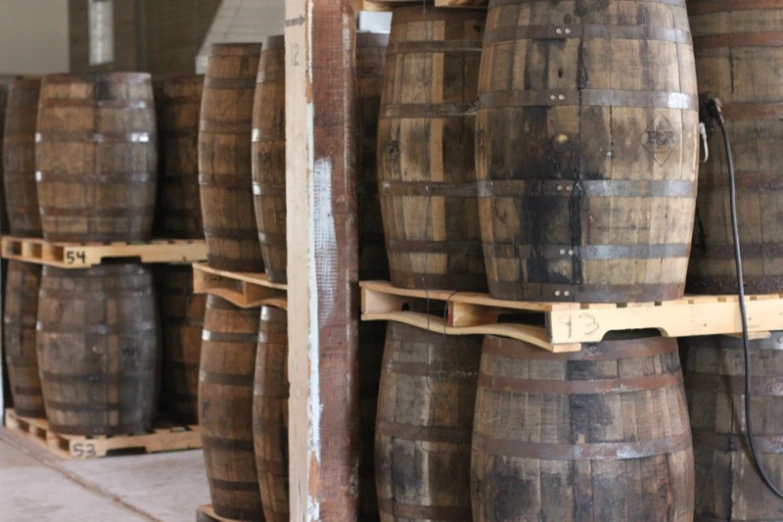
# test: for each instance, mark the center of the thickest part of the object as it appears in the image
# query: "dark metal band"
(405, 333)
(233, 485)
(400, 511)
(83, 407)
(735, 384)
(239, 128)
(700, 7)
(246, 82)
(27, 390)
(268, 238)
(222, 443)
(95, 137)
(100, 104)
(591, 387)
(731, 442)
(720, 41)
(88, 295)
(604, 351)
(588, 98)
(428, 189)
(221, 181)
(122, 329)
(586, 31)
(404, 246)
(229, 337)
(427, 110)
(524, 251)
(419, 434)
(88, 379)
(225, 233)
(434, 46)
(596, 451)
(436, 370)
(267, 391)
(607, 188)
(226, 379)
(136, 214)
(119, 178)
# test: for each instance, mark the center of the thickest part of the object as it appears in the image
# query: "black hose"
(715, 112)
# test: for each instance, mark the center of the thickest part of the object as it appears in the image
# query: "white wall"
(33, 36)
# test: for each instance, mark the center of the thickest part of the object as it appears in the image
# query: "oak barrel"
(426, 171)
(270, 413)
(224, 158)
(178, 105)
(182, 319)
(601, 434)
(19, 317)
(738, 59)
(4, 82)
(423, 430)
(587, 149)
(18, 157)
(225, 396)
(98, 349)
(269, 157)
(96, 157)
(728, 486)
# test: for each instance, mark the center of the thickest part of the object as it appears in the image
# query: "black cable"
(715, 110)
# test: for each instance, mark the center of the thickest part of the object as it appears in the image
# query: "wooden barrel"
(269, 158)
(370, 63)
(270, 413)
(735, 42)
(601, 434)
(224, 158)
(4, 81)
(19, 317)
(225, 396)
(587, 149)
(182, 319)
(18, 157)
(178, 104)
(423, 430)
(98, 349)
(426, 168)
(728, 486)
(372, 336)
(96, 157)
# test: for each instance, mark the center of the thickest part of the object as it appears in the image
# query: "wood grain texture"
(600, 435)
(586, 149)
(224, 158)
(728, 486)
(18, 158)
(423, 430)
(268, 157)
(96, 157)
(738, 59)
(426, 168)
(225, 396)
(178, 106)
(99, 349)
(323, 253)
(19, 316)
(5, 80)
(270, 413)
(182, 320)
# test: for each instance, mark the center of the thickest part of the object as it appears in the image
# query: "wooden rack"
(85, 255)
(245, 290)
(563, 327)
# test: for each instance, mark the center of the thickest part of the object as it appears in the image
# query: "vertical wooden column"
(322, 260)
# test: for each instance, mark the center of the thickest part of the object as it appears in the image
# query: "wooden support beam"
(322, 260)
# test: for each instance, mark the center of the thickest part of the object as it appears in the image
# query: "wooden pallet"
(244, 290)
(563, 327)
(85, 255)
(166, 437)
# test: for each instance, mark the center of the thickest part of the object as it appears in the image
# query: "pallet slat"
(244, 290)
(173, 438)
(85, 255)
(568, 325)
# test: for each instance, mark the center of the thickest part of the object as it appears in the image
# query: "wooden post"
(322, 260)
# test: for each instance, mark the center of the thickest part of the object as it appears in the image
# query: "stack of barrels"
(243, 383)
(80, 164)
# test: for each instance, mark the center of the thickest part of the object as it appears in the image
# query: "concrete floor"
(37, 486)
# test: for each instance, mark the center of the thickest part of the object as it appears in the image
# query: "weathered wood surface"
(225, 395)
(96, 157)
(4, 82)
(600, 435)
(587, 149)
(426, 168)
(424, 424)
(182, 320)
(98, 349)
(270, 413)
(18, 157)
(728, 486)
(738, 59)
(224, 158)
(178, 105)
(19, 318)
(268, 157)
